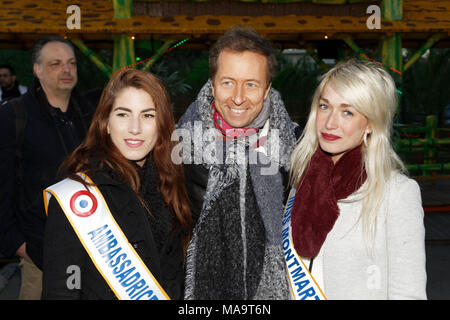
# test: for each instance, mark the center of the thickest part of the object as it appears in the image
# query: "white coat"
(345, 269)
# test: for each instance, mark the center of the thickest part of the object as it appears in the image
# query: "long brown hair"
(98, 144)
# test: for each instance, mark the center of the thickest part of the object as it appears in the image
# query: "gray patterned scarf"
(235, 251)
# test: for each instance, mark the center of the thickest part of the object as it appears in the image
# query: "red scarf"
(315, 207)
(227, 130)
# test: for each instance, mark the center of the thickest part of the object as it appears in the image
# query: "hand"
(21, 252)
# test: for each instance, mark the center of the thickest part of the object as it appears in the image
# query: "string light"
(368, 58)
(137, 59)
(379, 63)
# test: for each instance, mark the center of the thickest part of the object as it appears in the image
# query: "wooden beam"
(106, 69)
(392, 9)
(124, 54)
(165, 46)
(270, 1)
(313, 54)
(97, 17)
(391, 48)
(251, 8)
(349, 41)
(123, 9)
(416, 56)
(391, 52)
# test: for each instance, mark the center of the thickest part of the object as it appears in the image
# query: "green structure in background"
(427, 145)
(391, 49)
(107, 70)
(389, 52)
(391, 45)
(124, 44)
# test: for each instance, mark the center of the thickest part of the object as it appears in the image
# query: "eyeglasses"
(5, 75)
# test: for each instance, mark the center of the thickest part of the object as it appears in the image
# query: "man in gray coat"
(236, 139)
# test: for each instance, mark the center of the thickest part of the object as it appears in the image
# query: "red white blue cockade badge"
(83, 203)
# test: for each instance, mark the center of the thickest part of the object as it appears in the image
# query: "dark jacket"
(49, 136)
(163, 254)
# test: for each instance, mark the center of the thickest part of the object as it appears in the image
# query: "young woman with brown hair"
(124, 163)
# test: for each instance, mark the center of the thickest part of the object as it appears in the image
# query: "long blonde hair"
(371, 91)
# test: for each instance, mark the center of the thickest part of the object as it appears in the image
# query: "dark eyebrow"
(129, 110)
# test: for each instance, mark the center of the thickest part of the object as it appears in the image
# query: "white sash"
(109, 249)
(302, 284)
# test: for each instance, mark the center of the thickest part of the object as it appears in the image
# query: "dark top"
(49, 136)
(155, 237)
(14, 92)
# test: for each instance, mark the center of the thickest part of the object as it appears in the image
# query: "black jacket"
(49, 136)
(62, 247)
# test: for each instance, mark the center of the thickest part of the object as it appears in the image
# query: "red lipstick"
(329, 136)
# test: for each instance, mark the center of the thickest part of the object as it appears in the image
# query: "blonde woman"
(356, 220)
